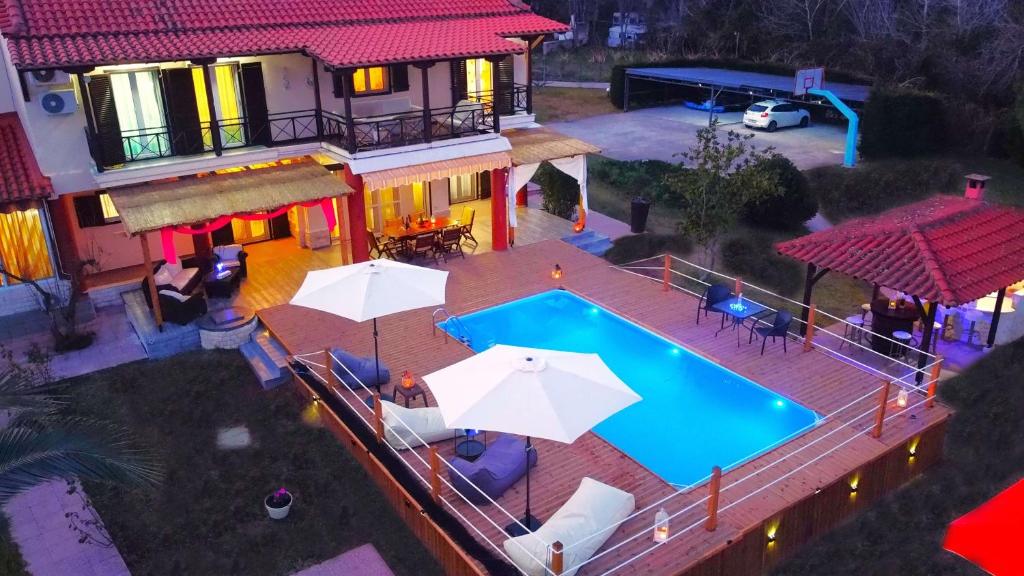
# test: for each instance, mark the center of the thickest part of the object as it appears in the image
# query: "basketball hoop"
(808, 78)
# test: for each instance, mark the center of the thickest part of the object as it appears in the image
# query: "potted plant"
(278, 504)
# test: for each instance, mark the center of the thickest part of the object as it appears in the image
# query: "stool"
(853, 330)
(905, 340)
(972, 316)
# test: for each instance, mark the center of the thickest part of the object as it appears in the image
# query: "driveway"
(658, 133)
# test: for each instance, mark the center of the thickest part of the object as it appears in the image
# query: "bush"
(874, 187)
(753, 256)
(788, 210)
(901, 124)
(638, 177)
(640, 246)
(657, 92)
(561, 192)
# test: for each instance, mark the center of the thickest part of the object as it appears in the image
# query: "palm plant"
(42, 442)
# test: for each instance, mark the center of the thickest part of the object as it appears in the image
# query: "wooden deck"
(813, 379)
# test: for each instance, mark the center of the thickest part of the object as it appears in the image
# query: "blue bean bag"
(501, 465)
(365, 369)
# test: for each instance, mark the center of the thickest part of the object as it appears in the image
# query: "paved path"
(659, 133)
(361, 561)
(48, 545)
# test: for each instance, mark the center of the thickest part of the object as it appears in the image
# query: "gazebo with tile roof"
(945, 249)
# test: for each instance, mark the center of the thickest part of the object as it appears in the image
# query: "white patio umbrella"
(369, 290)
(531, 392)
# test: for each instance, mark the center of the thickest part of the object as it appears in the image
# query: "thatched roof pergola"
(536, 145)
(152, 206)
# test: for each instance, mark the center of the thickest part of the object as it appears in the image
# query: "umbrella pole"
(376, 355)
(527, 523)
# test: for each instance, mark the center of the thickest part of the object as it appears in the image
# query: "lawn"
(208, 516)
(561, 104)
(902, 533)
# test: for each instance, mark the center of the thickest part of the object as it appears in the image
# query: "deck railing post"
(809, 335)
(378, 418)
(435, 475)
(880, 418)
(714, 489)
(666, 277)
(332, 380)
(739, 286)
(933, 382)
(557, 560)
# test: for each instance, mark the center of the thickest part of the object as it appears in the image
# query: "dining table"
(399, 232)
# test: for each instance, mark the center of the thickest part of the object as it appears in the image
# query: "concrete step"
(590, 241)
(266, 359)
(597, 247)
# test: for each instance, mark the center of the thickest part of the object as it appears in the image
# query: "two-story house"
(133, 109)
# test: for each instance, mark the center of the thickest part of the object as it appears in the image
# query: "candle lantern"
(556, 272)
(902, 397)
(407, 381)
(661, 525)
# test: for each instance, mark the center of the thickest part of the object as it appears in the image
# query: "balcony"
(356, 134)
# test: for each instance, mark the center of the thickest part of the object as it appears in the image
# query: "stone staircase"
(589, 241)
(267, 358)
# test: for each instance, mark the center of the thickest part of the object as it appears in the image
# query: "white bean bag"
(427, 423)
(592, 508)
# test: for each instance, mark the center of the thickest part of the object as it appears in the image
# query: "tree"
(42, 442)
(59, 300)
(722, 179)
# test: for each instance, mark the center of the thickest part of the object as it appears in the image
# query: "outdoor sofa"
(501, 465)
(401, 423)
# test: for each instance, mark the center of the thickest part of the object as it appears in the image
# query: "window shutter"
(182, 110)
(505, 82)
(336, 84)
(89, 211)
(254, 101)
(104, 112)
(399, 78)
(459, 88)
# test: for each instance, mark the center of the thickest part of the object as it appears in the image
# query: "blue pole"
(850, 154)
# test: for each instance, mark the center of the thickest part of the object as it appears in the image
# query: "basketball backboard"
(808, 78)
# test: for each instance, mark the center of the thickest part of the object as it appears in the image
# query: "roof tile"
(20, 178)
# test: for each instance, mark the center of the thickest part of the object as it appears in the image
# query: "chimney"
(976, 186)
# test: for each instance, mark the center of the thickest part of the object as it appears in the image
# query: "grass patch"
(902, 533)
(612, 198)
(562, 104)
(208, 516)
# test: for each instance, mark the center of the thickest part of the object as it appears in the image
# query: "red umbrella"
(990, 535)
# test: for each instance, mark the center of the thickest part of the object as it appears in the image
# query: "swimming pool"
(694, 414)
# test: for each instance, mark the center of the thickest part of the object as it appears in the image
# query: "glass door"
(249, 231)
(479, 86)
(382, 207)
(140, 114)
(227, 103)
(462, 188)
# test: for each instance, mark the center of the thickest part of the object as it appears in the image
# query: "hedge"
(618, 77)
(640, 246)
(900, 123)
(753, 257)
(561, 192)
(640, 177)
(788, 210)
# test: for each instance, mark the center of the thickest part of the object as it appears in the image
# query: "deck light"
(901, 398)
(661, 525)
(556, 272)
(772, 533)
(912, 447)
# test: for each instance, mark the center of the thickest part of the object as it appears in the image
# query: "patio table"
(401, 233)
(738, 310)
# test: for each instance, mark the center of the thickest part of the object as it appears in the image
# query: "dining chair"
(466, 224)
(387, 248)
(424, 245)
(449, 242)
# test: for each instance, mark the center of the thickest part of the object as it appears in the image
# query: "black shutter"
(504, 86)
(338, 89)
(182, 110)
(104, 113)
(254, 102)
(89, 211)
(459, 89)
(399, 78)
(223, 236)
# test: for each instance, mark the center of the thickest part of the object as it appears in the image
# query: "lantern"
(901, 398)
(407, 381)
(661, 525)
(433, 220)
(556, 272)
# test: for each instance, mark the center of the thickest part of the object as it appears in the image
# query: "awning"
(148, 207)
(536, 145)
(433, 170)
(20, 177)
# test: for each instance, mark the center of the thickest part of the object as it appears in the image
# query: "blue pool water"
(694, 414)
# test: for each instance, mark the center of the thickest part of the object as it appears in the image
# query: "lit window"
(370, 80)
(110, 214)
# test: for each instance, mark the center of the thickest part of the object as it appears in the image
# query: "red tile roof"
(948, 249)
(20, 178)
(56, 33)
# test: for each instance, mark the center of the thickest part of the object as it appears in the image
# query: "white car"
(772, 114)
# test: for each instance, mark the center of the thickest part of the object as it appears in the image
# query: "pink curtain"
(167, 234)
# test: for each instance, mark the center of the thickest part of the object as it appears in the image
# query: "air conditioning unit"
(59, 102)
(49, 77)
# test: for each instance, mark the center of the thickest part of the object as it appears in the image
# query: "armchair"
(231, 256)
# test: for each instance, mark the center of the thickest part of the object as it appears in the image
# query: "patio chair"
(380, 249)
(403, 425)
(363, 369)
(467, 116)
(501, 465)
(424, 245)
(232, 256)
(713, 294)
(466, 226)
(778, 328)
(581, 525)
(179, 308)
(449, 242)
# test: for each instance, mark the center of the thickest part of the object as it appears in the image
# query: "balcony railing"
(112, 149)
(509, 102)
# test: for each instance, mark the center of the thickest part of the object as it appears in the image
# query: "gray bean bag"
(495, 471)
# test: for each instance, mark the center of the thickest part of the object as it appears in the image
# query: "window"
(370, 81)
(107, 208)
(95, 210)
(23, 247)
(140, 113)
(479, 78)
